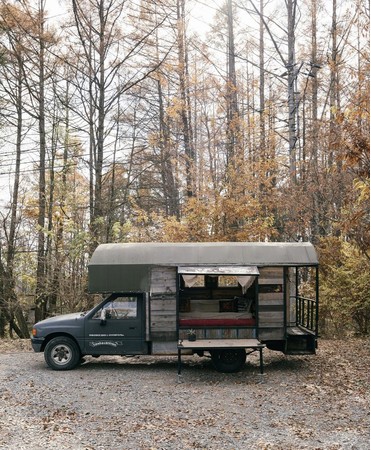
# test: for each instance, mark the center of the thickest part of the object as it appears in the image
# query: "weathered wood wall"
(163, 304)
(271, 304)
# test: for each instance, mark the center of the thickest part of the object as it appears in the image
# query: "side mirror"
(103, 320)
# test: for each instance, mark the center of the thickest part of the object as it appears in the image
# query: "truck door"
(117, 326)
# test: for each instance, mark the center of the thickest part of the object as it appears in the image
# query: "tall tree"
(15, 25)
(40, 311)
(109, 52)
(232, 116)
(262, 113)
(292, 70)
(292, 73)
(183, 70)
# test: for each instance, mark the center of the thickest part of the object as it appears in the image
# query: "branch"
(269, 32)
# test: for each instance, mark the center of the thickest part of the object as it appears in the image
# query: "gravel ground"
(311, 402)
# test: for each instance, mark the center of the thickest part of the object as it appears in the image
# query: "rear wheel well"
(278, 345)
(228, 360)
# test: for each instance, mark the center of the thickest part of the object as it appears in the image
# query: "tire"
(229, 360)
(62, 353)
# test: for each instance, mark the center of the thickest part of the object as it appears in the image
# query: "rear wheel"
(228, 360)
(62, 353)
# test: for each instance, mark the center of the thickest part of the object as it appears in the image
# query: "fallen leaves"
(59, 421)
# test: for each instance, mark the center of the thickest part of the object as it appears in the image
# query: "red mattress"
(192, 322)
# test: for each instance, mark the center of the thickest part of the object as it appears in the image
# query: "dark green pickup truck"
(114, 327)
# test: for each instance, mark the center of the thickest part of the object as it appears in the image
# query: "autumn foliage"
(135, 127)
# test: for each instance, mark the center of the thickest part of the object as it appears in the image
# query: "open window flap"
(246, 282)
(190, 280)
(219, 270)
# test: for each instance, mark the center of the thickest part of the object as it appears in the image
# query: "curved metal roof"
(180, 253)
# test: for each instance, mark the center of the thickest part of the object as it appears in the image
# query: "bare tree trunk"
(291, 81)
(168, 180)
(13, 217)
(4, 316)
(334, 137)
(333, 84)
(98, 205)
(60, 217)
(313, 166)
(262, 81)
(292, 73)
(189, 150)
(40, 301)
(15, 313)
(233, 128)
(92, 143)
(11, 310)
(111, 200)
(52, 256)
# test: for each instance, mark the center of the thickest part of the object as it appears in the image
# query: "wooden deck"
(212, 344)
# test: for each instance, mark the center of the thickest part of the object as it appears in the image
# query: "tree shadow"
(193, 367)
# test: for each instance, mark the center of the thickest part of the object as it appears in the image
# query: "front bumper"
(37, 343)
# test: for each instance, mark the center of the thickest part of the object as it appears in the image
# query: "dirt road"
(314, 402)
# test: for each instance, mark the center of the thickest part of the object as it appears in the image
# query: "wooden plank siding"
(163, 280)
(271, 304)
(163, 304)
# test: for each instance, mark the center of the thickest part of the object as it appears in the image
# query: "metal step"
(298, 331)
(300, 342)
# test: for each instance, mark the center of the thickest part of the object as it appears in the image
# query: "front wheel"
(229, 360)
(62, 353)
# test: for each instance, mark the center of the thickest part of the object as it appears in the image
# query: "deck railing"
(306, 314)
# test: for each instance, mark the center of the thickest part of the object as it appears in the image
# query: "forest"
(176, 121)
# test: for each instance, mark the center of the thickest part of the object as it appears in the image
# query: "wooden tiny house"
(226, 292)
